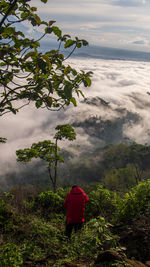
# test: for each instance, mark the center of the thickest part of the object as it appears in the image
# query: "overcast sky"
(111, 23)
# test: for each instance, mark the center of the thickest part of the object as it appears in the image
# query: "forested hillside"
(118, 167)
(116, 231)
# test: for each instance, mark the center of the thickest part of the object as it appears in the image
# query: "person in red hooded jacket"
(75, 203)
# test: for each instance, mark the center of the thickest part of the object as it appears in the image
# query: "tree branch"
(70, 53)
(7, 13)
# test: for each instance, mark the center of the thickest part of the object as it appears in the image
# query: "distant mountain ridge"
(108, 53)
(101, 52)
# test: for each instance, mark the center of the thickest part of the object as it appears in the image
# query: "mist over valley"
(116, 109)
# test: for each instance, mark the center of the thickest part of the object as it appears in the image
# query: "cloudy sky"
(112, 23)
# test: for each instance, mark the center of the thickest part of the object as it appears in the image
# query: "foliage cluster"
(29, 75)
(35, 234)
(48, 151)
(127, 162)
(10, 255)
(136, 202)
(50, 203)
(102, 202)
(118, 167)
(5, 214)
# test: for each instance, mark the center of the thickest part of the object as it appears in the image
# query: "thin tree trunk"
(51, 178)
(55, 169)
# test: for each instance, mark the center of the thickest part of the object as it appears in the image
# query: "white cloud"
(122, 83)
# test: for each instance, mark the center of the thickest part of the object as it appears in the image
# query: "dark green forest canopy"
(123, 155)
(118, 167)
(115, 166)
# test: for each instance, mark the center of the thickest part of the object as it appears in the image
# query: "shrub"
(5, 214)
(136, 202)
(102, 203)
(50, 202)
(93, 237)
(10, 255)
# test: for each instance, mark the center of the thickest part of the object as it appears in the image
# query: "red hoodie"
(75, 203)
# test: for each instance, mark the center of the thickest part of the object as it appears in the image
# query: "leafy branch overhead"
(29, 75)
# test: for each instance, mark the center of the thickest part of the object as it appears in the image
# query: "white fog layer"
(120, 89)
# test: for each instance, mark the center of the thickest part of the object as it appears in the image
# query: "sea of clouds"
(124, 84)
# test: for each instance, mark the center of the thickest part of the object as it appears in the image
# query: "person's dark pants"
(71, 226)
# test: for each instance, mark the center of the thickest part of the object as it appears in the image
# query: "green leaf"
(74, 102)
(79, 45)
(41, 64)
(87, 81)
(13, 110)
(38, 103)
(33, 21)
(9, 31)
(24, 15)
(44, 1)
(84, 42)
(47, 60)
(20, 33)
(60, 158)
(3, 64)
(3, 140)
(35, 44)
(69, 43)
(37, 18)
(44, 22)
(56, 31)
(74, 72)
(81, 93)
(30, 54)
(49, 101)
(68, 90)
(48, 30)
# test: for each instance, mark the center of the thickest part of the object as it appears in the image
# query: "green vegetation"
(136, 203)
(48, 151)
(29, 75)
(3, 140)
(32, 221)
(135, 156)
(32, 226)
(118, 167)
(112, 166)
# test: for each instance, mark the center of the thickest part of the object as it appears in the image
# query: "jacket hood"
(76, 190)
